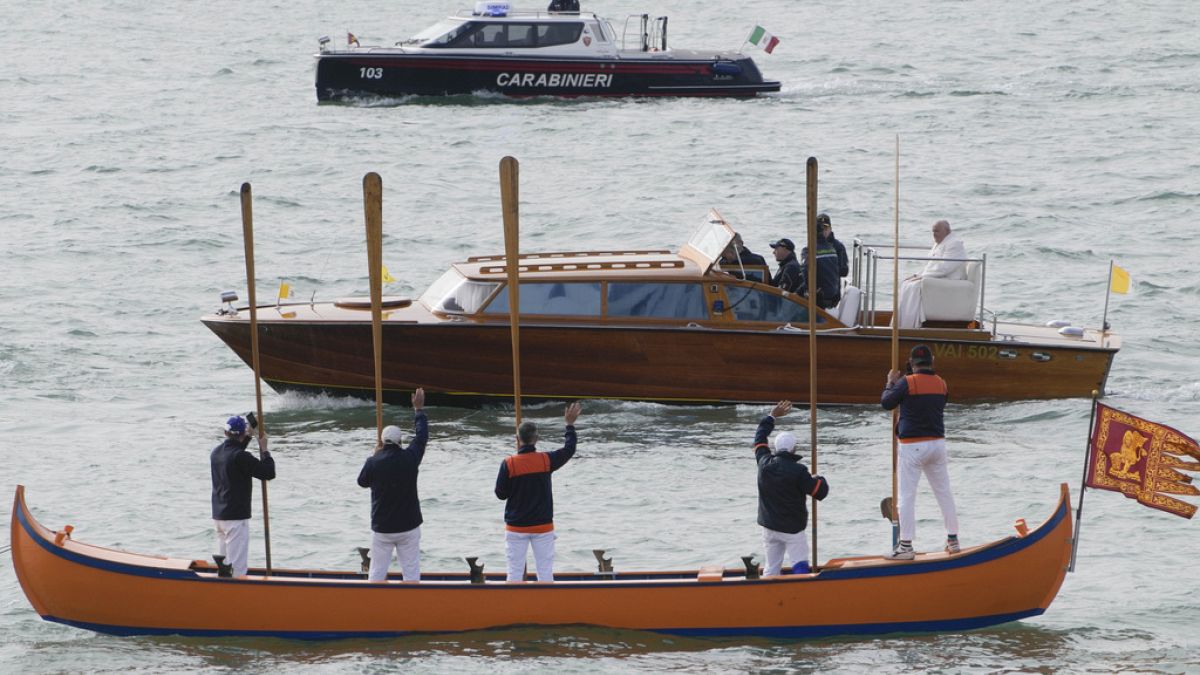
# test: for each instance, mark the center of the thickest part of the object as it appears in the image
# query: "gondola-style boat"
(121, 593)
(654, 326)
(523, 53)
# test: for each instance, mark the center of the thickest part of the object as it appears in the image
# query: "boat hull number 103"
(370, 73)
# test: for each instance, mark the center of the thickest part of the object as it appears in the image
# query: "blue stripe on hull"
(790, 632)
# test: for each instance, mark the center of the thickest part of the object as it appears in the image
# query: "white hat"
(392, 435)
(785, 442)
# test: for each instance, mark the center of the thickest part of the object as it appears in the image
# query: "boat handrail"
(581, 267)
(466, 13)
(568, 254)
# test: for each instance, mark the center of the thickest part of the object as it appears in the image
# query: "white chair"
(952, 299)
(847, 309)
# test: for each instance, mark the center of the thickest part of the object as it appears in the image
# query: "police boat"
(557, 52)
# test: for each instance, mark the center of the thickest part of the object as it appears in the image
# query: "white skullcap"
(393, 435)
(785, 442)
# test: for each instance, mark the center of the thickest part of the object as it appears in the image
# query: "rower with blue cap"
(233, 474)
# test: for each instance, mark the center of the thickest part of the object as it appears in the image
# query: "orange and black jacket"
(784, 485)
(922, 398)
(524, 480)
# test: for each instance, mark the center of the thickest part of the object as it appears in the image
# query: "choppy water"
(1053, 136)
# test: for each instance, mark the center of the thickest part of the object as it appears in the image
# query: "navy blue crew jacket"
(233, 474)
(788, 276)
(829, 273)
(922, 399)
(527, 485)
(391, 474)
(784, 485)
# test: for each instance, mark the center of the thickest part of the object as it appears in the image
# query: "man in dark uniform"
(921, 430)
(784, 486)
(524, 482)
(832, 264)
(233, 474)
(825, 231)
(736, 257)
(788, 276)
(391, 473)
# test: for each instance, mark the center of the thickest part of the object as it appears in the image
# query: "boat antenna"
(509, 199)
(373, 211)
(891, 512)
(811, 175)
(248, 239)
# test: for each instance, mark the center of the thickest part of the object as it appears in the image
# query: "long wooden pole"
(811, 262)
(248, 239)
(895, 343)
(373, 211)
(509, 199)
(1087, 460)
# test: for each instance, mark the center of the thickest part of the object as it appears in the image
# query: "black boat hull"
(345, 75)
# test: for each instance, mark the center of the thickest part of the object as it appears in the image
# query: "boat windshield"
(455, 294)
(440, 33)
(706, 245)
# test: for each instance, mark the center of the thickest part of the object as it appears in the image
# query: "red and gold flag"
(1142, 460)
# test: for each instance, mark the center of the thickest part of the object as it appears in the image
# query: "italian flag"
(760, 37)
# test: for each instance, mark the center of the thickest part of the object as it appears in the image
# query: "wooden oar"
(373, 210)
(248, 238)
(891, 505)
(811, 262)
(509, 179)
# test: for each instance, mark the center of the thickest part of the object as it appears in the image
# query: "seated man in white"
(950, 251)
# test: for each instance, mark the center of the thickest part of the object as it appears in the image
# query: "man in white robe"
(950, 252)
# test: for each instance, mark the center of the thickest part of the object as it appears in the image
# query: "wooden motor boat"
(523, 53)
(649, 326)
(121, 593)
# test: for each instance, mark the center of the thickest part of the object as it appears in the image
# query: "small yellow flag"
(387, 276)
(1120, 280)
(285, 291)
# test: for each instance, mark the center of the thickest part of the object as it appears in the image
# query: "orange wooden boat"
(653, 326)
(121, 593)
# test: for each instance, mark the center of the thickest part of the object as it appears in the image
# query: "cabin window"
(752, 304)
(569, 299)
(663, 301)
(455, 294)
(551, 34)
(442, 34)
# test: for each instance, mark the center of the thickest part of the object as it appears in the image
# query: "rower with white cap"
(391, 473)
(784, 485)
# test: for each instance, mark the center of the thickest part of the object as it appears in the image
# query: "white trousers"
(233, 542)
(407, 546)
(929, 458)
(779, 543)
(517, 545)
(909, 307)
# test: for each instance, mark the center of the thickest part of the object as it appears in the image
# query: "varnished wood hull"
(469, 363)
(122, 593)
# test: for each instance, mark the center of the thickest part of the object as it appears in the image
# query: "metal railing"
(865, 275)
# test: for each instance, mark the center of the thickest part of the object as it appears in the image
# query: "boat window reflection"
(442, 33)
(752, 304)
(456, 295)
(573, 299)
(667, 301)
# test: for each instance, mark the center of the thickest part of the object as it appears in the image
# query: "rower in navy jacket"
(921, 430)
(391, 473)
(524, 481)
(784, 486)
(233, 473)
